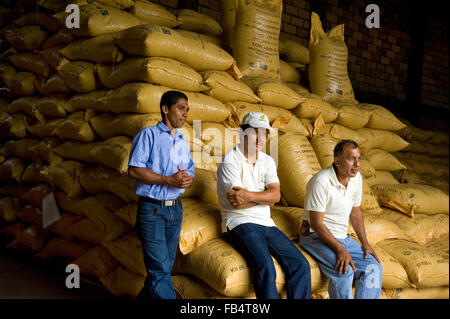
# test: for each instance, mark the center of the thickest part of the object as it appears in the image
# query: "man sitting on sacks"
(247, 186)
(332, 196)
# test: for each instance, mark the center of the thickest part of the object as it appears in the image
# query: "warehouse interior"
(72, 99)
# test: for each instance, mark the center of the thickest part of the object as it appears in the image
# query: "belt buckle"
(168, 203)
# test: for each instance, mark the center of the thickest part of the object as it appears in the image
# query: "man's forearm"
(148, 176)
(327, 237)
(267, 197)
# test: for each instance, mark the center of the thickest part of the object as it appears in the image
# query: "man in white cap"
(247, 186)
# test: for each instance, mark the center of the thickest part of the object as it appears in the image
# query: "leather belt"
(159, 202)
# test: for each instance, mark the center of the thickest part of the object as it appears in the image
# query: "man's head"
(255, 129)
(347, 158)
(174, 108)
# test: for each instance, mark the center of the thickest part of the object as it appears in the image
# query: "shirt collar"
(164, 128)
(334, 180)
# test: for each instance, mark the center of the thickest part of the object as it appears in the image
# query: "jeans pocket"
(149, 209)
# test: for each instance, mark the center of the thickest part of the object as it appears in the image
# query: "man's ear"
(165, 109)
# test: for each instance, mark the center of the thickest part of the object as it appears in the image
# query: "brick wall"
(378, 58)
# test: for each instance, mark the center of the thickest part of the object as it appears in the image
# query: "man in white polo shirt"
(333, 196)
(247, 186)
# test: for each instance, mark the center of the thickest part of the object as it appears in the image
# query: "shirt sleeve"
(191, 165)
(140, 149)
(271, 174)
(229, 175)
(357, 197)
(316, 197)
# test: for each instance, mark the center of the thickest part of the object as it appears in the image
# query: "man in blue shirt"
(161, 163)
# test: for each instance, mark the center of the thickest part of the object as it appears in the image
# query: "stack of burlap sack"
(79, 96)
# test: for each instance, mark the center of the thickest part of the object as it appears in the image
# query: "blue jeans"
(158, 227)
(256, 244)
(368, 274)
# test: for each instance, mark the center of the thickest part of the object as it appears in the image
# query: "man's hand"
(343, 259)
(238, 196)
(369, 250)
(181, 179)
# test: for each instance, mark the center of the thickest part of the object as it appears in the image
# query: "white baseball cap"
(256, 120)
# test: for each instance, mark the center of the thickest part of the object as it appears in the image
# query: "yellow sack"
(313, 106)
(53, 84)
(114, 153)
(295, 215)
(96, 262)
(163, 71)
(439, 138)
(226, 89)
(64, 249)
(255, 39)
(32, 174)
(220, 265)
(415, 293)
(26, 38)
(128, 251)
(293, 51)
(26, 104)
(381, 118)
(207, 38)
(87, 231)
(101, 209)
(383, 139)
(425, 267)
(79, 76)
(35, 195)
(76, 127)
(412, 198)
(198, 22)
(52, 56)
(284, 222)
(288, 73)
(9, 208)
(96, 19)
(57, 39)
(145, 98)
(15, 125)
(297, 163)
(31, 239)
(22, 83)
(154, 40)
(12, 169)
(52, 105)
(201, 223)
(120, 4)
(369, 203)
(383, 161)
(227, 22)
(351, 115)
(381, 177)
(19, 148)
(65, 176)
(128, 213)
(190, 287)
(85, 101)
(31, 62)
(59, 5)
(378, 228)
(76, 150)
(394, 275)
(100, 49)
(154, 13)
(341, 133)
(274, 92)
(422, 228)
(38, 18)
(96, 179)
(122, 282)
(328, 76)
(61, 226)
(204, 187)
(240, 109)
(218, 138)
(437, 149)
(323, 146)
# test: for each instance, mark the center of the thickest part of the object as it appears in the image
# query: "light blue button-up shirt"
(155, 148)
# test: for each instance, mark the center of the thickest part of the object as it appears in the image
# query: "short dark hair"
(170, 98)
(339, 148)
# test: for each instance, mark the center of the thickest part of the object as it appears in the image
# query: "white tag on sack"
(50, 211)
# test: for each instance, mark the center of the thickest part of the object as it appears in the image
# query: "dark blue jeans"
(158, 227)
(256, 244)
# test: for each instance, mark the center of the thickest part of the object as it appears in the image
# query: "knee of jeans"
(267, 270)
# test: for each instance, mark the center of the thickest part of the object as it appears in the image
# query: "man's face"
(177, 114)
(349, 162)
(255, 138)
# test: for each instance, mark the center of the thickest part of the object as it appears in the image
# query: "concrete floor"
(23, 277)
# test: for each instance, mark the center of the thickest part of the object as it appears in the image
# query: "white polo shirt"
(236, 171)
(324, 193)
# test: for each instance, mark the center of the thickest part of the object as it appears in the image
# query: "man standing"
(247, 186)
(332, 196)
(161, 163)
